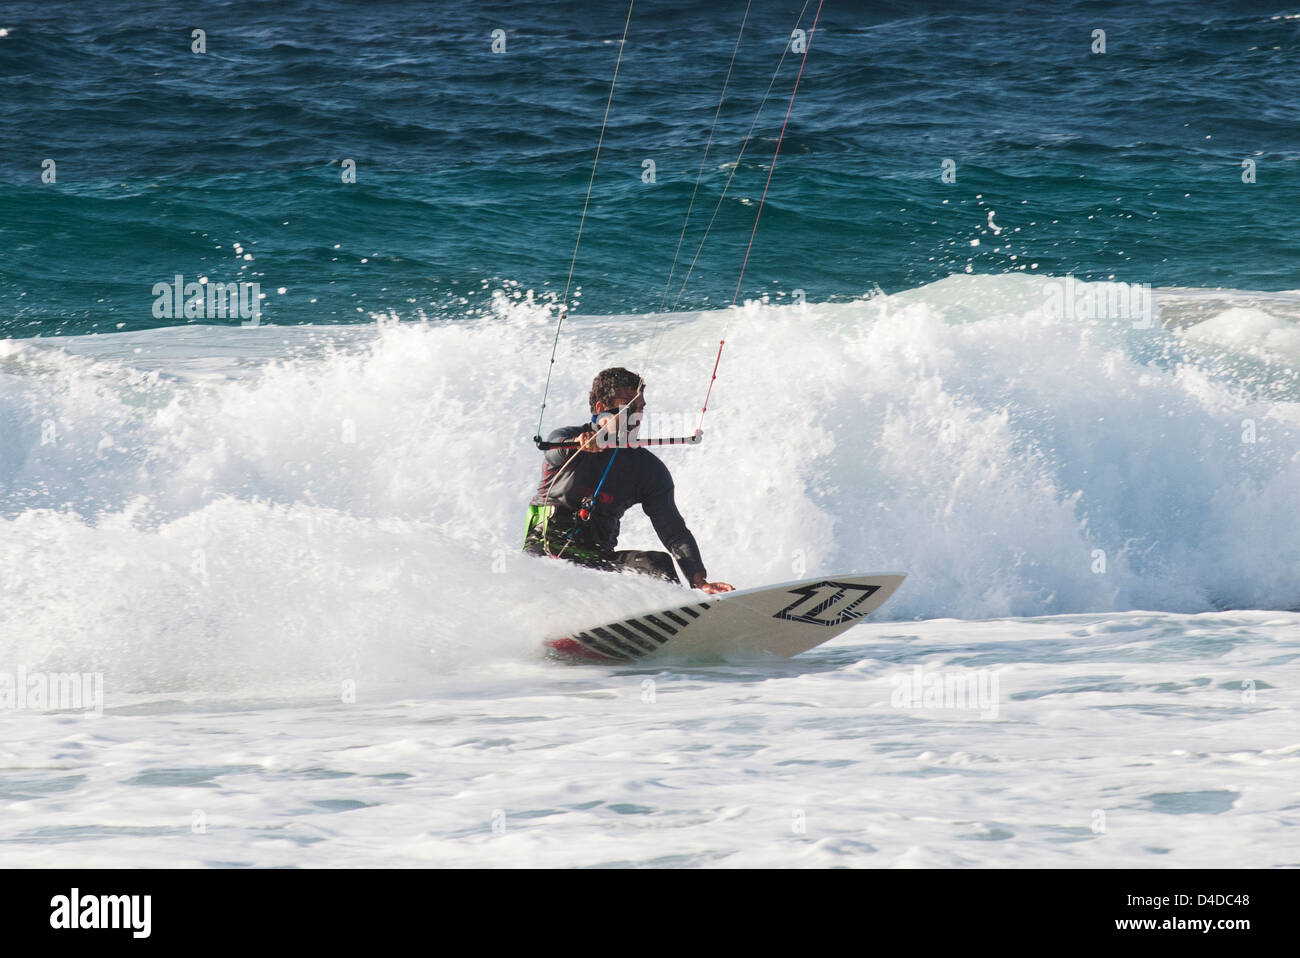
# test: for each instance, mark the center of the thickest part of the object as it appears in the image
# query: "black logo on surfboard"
(827, 603)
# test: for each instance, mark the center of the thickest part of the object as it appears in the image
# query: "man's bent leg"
(658, 564)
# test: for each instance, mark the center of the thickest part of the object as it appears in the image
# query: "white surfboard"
(781, 620)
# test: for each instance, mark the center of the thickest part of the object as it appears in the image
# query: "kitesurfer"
(586, 489)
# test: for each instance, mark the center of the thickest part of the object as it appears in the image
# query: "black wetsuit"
(636, 475)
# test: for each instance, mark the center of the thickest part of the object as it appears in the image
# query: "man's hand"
(587, 441)
(712, 588)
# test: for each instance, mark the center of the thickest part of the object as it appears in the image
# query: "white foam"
(364, 488)
(292, 553)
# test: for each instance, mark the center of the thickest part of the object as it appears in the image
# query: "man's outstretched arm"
(661, 507)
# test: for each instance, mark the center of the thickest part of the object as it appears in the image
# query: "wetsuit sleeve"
(660, 506)
(558, 457)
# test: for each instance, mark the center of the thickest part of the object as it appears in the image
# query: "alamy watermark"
(633, 428)
(972, 690)
(76, 911)
(205, 300)
(53, 691)
(1070, 298)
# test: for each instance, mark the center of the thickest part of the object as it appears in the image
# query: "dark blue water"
(472, 165)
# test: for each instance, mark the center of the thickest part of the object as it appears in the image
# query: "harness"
(539, 519)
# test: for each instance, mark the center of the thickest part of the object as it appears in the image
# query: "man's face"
(634, 400)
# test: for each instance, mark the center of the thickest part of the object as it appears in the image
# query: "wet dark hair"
(608, 383)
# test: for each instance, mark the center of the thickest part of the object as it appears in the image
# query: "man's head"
(614, 388)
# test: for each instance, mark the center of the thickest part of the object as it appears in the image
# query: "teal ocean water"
(471, 165)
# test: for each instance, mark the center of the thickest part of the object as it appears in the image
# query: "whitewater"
(292, 555)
